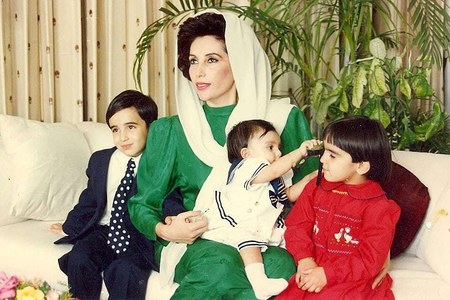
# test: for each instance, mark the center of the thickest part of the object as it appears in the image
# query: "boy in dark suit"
(99, 225)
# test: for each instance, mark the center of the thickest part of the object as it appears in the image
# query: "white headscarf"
(251, 71)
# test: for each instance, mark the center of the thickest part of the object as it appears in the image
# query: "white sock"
(264, 287)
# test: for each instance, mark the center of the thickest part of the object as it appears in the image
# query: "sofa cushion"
(436, 249)
(98, 135)
(28, 251)
(49, 162)
(413, 198)
(6, 189)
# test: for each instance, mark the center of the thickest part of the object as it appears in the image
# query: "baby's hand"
(56, 228)
(309, 145)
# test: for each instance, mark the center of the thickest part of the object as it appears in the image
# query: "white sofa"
(42, 173)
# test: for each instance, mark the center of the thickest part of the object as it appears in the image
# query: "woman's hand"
(384, 270)
(184, 228)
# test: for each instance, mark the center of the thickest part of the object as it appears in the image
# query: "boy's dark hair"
(365, 140)
(144, 105)
(241, 133)
(194, 27)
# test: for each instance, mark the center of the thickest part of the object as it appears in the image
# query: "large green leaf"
(377, 82)
(359, 83)
(432, 125)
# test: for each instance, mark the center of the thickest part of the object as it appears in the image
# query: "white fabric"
(49, 162)
(27, 249)
(116, 168)
(437, 249)
(98, 135)
(6, 187)
(249, 207)
(251, 71)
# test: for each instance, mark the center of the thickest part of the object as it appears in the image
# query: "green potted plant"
(324, 46)
(382, 88)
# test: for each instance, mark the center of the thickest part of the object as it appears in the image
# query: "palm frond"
(431, 26)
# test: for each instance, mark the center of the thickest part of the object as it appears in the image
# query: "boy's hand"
(56, 228)
(313, 280)
(181, 229)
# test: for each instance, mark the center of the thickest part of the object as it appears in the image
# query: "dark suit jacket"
(84, 217)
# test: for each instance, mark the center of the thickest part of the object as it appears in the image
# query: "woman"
(224, 66)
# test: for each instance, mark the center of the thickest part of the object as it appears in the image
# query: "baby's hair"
(144, 105)
(194, 27)
(241, 133)
(365, 140)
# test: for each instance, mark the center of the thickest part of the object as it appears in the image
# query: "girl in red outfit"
(340, 230)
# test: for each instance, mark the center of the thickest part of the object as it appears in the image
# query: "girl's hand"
(303, 265)
(382, 274)
(56, 228)
(313, 280)
(181, 228)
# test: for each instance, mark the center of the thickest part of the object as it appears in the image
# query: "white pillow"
(49, 163)
(6, 187)
(98, 135)
(436, 249)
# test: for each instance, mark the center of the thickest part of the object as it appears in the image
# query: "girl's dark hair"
(365, 140)
(194, 27)
(241, 133)
(145, 106)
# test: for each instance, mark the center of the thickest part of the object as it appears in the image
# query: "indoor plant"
(382, 88)
(321, 43)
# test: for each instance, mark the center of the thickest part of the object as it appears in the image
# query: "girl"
(340, 231)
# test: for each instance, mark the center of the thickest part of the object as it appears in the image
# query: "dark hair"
(194, 27)
(241, 133)
(144, 105)
(365, 140)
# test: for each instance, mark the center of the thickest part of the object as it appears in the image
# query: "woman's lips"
(201, 85)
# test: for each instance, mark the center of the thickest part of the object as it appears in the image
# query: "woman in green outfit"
(224, 77)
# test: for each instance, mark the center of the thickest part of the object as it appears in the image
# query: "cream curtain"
(64, 60)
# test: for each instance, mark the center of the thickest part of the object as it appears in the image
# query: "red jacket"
(348, 229)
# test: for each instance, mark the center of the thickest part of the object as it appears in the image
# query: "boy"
(99, 225)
